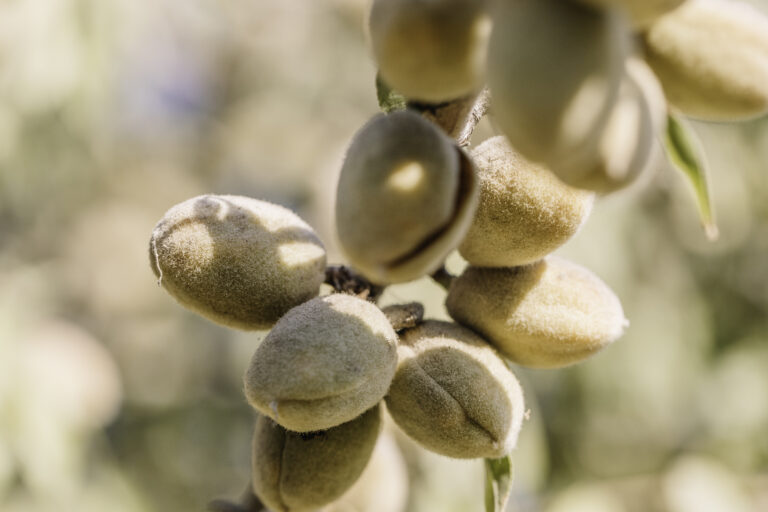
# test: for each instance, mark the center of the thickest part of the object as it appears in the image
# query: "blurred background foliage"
(112, 397)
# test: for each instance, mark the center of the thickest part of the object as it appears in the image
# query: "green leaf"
(685, 151)
(389, 99)
(498, 483)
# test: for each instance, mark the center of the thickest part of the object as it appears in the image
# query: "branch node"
(345, 280)
(404, 316)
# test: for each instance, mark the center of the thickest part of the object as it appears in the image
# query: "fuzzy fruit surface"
(524, 212)
(549, 314)
(237, 261)
(405, 198)
(294, 472)
(324, 363)
(453, 394)
(712, 59)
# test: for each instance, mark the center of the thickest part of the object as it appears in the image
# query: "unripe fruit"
(431, 51)
(549, 314)
(641, 12)
(237, 261)
(453, 394)
(554, 73)
(524, 213)
(405, 198)
(295, 472)
(712, 59)
(324, 363)
(630, 136)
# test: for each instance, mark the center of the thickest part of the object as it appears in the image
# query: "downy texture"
(405, 198)
(295, 472)
(453, 394)
(711, 57)
(324, 363)
(549, 314)
(524, 213)
(237, 261)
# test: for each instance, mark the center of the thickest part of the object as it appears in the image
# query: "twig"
(345, 280)
(479, 109)
(404, 316)
(457, 118)
(442, 277)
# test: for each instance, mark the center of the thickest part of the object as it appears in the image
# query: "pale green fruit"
(453, 394)
(294, 472)
(324, 363)
(641, 12)
(405, 198)
(631, 135)
(554, 74)
(524, 213)
(712, 59)
(237, 261)
(549, 314)
(431, 51)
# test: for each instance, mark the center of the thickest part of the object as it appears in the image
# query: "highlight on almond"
(405, 198)
(524, 212)
(711, 57)
(549, 314)
(237, 261)
(554, 71)
(431, 51)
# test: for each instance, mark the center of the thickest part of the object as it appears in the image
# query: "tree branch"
(458, 118)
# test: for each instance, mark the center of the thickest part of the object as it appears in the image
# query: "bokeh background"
(112, 397)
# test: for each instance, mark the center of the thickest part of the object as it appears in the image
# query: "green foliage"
(498, 483)
(389, 99)
(685, 152)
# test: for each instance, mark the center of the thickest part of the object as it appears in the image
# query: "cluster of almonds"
(580, 110)
(581, 86)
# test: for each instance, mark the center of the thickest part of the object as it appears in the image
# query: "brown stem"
(404, 316)
(459, 117)
(442, 277)
(345, 280)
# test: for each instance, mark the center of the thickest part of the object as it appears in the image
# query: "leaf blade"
(389, 99)
(498, 483)
(685, 153)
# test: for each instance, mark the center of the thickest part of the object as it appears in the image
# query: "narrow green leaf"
(389, 99)
(498, 483)
(685, 152)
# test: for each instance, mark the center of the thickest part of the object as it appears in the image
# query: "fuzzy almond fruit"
(301, 472)
(431, 51)
(712, 59)
(549, 314)
(237, 261)
(453, 394)
(324, 363)
(524, 213)
(554, 71)
(405, 198)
